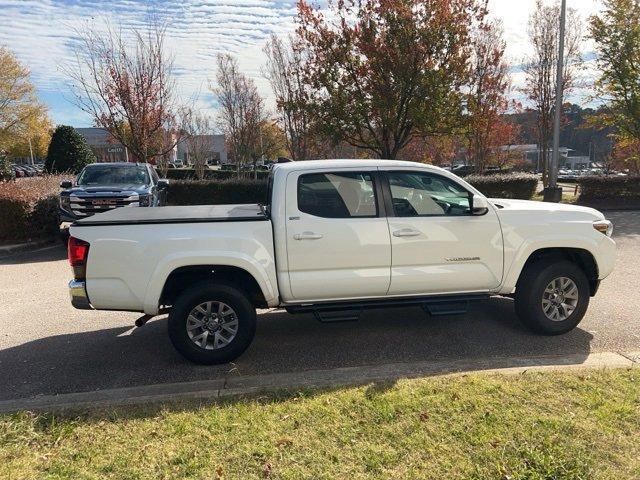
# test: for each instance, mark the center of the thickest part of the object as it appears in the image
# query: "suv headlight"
(604, 226)
(145, 200)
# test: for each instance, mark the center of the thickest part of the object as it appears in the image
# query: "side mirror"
(163, 183)
(66, 184)
(479, 205)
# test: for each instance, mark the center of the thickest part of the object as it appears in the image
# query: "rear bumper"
(78, 294)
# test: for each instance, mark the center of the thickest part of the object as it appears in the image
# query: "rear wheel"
(552, 296)
(211, 324)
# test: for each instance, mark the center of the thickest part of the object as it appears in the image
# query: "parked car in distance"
(462, 170)
(18, 172)
(323, 243)
(101, 187)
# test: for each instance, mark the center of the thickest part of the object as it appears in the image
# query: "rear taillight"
(78, 250)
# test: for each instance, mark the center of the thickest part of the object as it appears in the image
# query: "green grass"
(579, 425)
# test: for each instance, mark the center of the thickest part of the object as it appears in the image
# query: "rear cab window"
(338, 195)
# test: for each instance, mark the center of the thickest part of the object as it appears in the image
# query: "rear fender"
(173, 262)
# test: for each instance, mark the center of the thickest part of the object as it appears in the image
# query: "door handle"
(407, 232)
(307, 236)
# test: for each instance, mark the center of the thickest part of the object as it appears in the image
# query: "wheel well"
(184, 277)
(582, 258)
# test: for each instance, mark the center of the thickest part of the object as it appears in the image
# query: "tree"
(242, 110)
(68, 151)
(32, 139)
(487, 104)
(440, 150)
(6, 172)
(284, 70)
(616, 32)
(128, 89)
(273, 142)
(384, 71)
(22, 117)
(198, 139)
(625, 154)
(540, 68)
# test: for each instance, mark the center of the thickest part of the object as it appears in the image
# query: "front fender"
(177, 260)
(601, 247)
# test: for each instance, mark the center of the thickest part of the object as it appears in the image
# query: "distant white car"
(333, 238)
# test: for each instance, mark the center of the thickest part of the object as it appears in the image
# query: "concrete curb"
(236, 385)
(9, 250)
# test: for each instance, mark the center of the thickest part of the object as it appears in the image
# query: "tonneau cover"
(185, 214)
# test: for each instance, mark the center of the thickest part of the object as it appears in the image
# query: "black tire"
(529, 294)
(204, 292)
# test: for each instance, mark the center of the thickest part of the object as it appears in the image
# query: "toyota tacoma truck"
(335, 237)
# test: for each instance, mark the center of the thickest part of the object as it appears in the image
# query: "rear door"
(437, 245)
(338, 243)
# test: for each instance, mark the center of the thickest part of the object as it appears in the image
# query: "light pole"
(553, 193)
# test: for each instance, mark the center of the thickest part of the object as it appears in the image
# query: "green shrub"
(208, 192)
(45, 218)
(6, 172)
(512, 185)
(14, 219)
(29, 208)
(609, 188)
(190, 174)
(68, 151)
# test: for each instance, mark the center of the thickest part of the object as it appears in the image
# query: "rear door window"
(337, 195)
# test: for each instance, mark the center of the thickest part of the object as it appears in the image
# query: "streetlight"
(553, 193)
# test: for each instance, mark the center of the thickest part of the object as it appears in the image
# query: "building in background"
(108, 149)
(569, 158)
(215, 144)
(104, 146)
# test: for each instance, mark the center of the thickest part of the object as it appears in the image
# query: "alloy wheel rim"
(212, 325)
(560, 299)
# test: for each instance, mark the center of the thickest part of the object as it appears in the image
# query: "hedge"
(207, 192)
(190, 174)
(512, 185)
(29, 208)
(609, 187)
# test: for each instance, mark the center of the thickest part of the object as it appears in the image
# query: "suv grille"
(87, 206)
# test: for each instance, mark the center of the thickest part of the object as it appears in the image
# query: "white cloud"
(41, 33)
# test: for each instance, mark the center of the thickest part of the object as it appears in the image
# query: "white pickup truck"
(333, 238)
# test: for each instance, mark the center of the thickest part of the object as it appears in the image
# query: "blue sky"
(41, 33)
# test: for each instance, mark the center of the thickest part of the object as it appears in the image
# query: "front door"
(437, 245)
(338, 243)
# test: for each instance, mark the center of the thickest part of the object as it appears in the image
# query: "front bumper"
(79, 297)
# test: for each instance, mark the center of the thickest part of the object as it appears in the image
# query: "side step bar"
(326, 316)
(350, 310)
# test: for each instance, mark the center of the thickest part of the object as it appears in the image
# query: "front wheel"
(552, 296)
(212, 324)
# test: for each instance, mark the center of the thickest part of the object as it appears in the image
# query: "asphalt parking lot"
(47, 347)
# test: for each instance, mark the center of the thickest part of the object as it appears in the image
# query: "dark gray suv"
(104, 186)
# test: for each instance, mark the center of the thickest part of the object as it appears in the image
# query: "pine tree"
(68, 151)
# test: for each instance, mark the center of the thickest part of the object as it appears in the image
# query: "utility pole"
(553, 193)
(31, 151)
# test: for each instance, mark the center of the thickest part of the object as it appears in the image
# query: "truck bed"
(183, 214)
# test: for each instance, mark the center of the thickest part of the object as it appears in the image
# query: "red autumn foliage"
(386, 71)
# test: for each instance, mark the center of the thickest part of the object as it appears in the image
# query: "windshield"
(114, 175)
